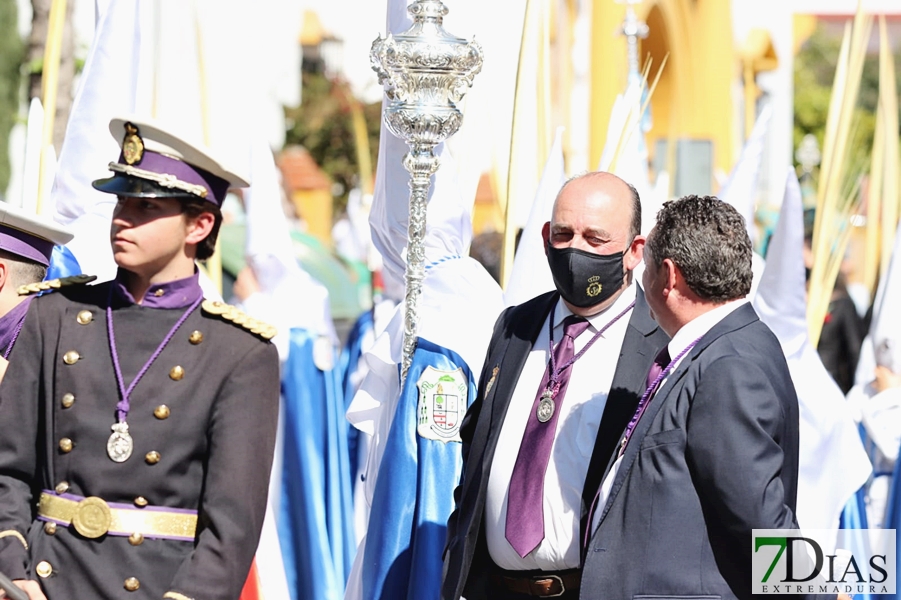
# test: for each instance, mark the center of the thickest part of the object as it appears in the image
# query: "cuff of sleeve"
(13, 554)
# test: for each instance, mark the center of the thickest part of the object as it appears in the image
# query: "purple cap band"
(216, 187)
(16, 241)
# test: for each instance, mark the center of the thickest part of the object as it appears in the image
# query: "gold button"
(136, 539)
(68, 400)
(196, 337)
(43, 569)
(49, 527)
(152, 457)
(176, 373)
(84, 317)
(66, 445)
(132, 584)
(161, 412)
(140, 501)
(159, 292)
(62, 487)
(71, 357)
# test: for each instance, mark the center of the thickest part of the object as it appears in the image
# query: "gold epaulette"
(54, 284)
(233, 314)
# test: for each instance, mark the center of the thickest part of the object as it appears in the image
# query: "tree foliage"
(814, 71)
(324, 126)
(11, 53)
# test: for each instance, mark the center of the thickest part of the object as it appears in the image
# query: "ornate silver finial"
(634, 30)
(425, 71)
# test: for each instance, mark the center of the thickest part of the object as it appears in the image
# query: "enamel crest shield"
(442, 404)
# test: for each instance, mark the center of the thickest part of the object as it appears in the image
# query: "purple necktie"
(660, 361)
(525, 502)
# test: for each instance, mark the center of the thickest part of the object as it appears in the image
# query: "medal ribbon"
(124, 394)
(553, 383)
(645, 398)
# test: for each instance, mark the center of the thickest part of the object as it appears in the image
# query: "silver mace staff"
(425, 71)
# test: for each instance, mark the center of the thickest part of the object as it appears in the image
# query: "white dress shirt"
(577, 427)
(690, 332)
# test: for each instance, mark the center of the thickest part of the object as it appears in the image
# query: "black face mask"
(583, 278)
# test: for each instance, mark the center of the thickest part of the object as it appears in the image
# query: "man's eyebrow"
(599, 232)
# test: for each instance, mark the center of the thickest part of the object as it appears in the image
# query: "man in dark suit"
(532, 462)
(714, 453)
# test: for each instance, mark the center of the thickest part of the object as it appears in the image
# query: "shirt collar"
(700, 325)
(180, 293)
(9, 323)
(597, 321)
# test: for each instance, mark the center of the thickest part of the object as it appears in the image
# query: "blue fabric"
(348, 365)
(893, 518)
(414, 495)
(315, 520)
(62, 264)
(854, 518)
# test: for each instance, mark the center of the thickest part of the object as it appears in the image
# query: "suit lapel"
(524, 329)
(740, 317)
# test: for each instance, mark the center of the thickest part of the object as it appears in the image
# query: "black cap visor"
(135, 187)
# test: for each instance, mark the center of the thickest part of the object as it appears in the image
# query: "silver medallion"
(546, 407)
(120, 445)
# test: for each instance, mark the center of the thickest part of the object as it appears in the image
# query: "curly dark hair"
(193, 208)
(707, 239)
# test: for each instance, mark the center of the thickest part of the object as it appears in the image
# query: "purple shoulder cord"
(124, 406)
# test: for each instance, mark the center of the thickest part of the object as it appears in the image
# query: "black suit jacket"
(467, 562)
(714, 456)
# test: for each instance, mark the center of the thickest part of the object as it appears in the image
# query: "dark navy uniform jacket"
(203, 419)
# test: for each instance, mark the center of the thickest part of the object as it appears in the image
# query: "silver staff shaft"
(425, 72)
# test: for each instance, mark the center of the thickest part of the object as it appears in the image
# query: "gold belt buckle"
(92, 517)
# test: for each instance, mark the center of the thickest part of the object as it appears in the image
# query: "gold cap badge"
(132, 145)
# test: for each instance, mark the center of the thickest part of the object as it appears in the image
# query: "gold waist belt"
(93, 517)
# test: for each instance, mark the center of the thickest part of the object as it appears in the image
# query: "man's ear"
(634, 253)
(4, 274)
(672, 275)
(199, 227)
(546, 235)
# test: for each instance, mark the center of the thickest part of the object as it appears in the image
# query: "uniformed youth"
(26, 245)
(138, 431)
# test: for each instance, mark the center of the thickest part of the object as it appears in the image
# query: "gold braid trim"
(53, 284)
(227, 312)
(176, 596)
(15, 534)
(163, 179)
